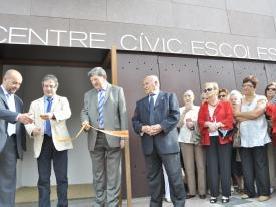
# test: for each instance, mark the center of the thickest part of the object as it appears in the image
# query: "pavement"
(235, 201)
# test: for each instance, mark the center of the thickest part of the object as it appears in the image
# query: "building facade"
(185, 42)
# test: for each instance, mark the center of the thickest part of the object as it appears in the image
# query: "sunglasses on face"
(222, 96)
(271, 89)
(207, 89)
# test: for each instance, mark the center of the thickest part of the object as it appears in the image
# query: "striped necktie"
(100, 108)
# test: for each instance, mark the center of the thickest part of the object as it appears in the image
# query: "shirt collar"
(45, 97)
(104, 86)
(5, 91)
(155, 92)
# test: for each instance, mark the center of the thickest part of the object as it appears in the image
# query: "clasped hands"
(213, 126)
(151, 130)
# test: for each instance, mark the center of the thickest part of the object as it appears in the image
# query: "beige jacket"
(61, 110)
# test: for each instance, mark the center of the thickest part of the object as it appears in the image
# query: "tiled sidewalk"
(193, 202)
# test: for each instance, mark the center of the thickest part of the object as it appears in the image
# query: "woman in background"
(270, 93)
(254, 140)
(192, 151)
(216, 115)
(235, 98)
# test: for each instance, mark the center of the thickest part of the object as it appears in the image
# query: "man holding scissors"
(105, 109)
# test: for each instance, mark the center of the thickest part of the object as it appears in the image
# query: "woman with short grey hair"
(192, 151)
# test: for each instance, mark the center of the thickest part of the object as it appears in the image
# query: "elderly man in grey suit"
(155, 119)
(104, 108)
(12, 135)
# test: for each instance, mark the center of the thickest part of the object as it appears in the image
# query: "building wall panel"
(178, 75)
(132, 68)
(244, 69)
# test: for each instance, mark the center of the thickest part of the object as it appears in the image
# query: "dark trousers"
(155, 178)
(60, 163)
(8, 158)
(219, 167)
(255, 167)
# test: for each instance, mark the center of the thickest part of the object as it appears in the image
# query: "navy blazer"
(7, 116)
(166, 113)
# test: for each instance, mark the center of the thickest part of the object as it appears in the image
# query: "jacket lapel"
(3, 97)
(107, 93)
(159, 98)
(146, 103)
(55, 102)
(41, 105)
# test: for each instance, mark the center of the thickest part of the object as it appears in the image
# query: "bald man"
(12, 135)
(155, 119)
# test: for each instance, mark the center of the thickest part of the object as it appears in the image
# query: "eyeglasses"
(222, 96)
(271, 89)
(207, 89)
(247, 85)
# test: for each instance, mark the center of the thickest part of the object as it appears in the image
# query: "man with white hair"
(155, 120)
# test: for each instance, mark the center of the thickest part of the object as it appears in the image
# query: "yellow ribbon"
(116, 133)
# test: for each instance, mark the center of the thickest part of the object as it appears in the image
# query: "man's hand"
(86, 125)
(46, 116)
(146, 129)
(25, 118)
(155, 129)
(36, 131)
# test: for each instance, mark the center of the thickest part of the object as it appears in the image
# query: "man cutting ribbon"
(104, 108)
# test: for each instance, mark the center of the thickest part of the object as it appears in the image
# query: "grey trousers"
(194, 156)
(8, 158)
(106, 163)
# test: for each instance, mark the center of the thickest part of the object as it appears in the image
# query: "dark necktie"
(151, 109)
(48, 123)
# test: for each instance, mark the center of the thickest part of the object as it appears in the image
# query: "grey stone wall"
(254, 18)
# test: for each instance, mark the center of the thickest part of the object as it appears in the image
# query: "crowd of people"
(224, 142)
(232, 131)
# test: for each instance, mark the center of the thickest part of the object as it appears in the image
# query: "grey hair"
(99, 71)
(189, 92)
(50, 77)
(236, 93)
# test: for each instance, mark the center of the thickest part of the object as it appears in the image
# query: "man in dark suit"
(155, 119)
(12, 135)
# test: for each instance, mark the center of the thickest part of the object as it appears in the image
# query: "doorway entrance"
(71, 66)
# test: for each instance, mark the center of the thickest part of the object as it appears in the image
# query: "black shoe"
(189, 196)
(213, 200)
(202, 196)
(225, 200)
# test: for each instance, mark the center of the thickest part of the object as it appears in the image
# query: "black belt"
(46, 135)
